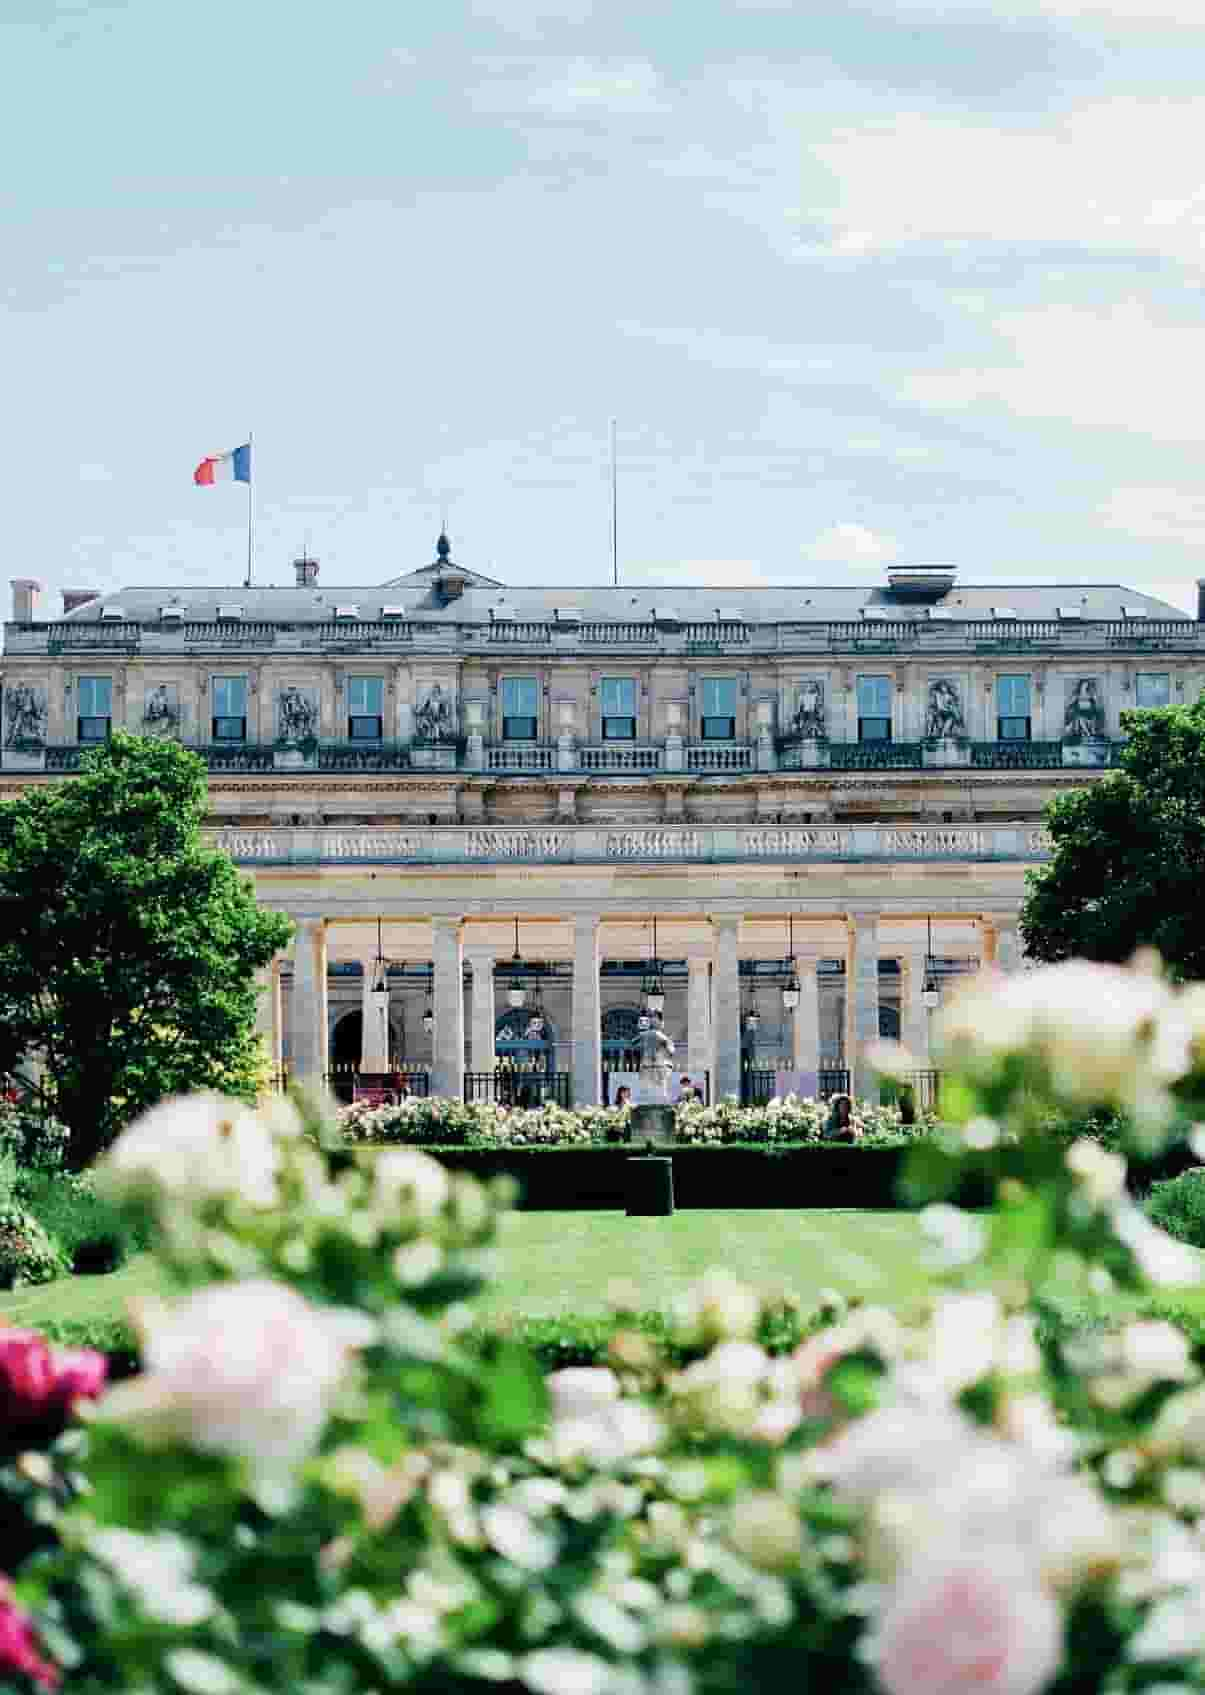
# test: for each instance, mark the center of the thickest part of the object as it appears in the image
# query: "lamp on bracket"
(930, 993)
(790, 989)
(429, 1005)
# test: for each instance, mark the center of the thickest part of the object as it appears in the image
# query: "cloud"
(1157, 514)
(843, 544)
(1110, 368)
(1117, 175)
(578, 89)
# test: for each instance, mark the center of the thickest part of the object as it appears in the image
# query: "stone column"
(726, 1009)
(587, 1011)
(914, 1015)
(447, 954)
(268, 1021)
(481, 1034)
(699, 1046)
(309, 1001)
(1008, 946)
(806, 1034)
(864, 995)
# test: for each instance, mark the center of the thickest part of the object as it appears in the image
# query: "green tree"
(128, 951)
(1129, 853)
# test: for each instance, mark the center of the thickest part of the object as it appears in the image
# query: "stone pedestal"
(474, 753)
(811, 753)
(946, 750)
(653, 1121)
(1091, 751)
(566, 756)
(11, 760)
(675, 753)
(439, 758)
(767, 759)
(294, 759)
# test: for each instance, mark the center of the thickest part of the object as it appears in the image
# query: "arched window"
(525, 1040)
(620, 1038)
(889, 1022)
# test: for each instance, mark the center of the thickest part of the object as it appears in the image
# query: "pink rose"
(968, 1626)
(40, 1385)
(18, 1645)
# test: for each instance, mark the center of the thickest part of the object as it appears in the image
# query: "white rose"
(404, 1178)
(196, 1146)
(1100, 1174)
(248, 1369)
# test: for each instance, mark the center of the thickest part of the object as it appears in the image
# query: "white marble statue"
(656, 1053)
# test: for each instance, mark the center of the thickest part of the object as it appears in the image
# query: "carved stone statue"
(297, 714)
(1084, 719)
(656, 1052)
(161, 710)
(25, 717)
(434, 719)
(944, 718)
(810, 721)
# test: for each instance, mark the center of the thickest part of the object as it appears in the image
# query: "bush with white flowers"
(328, 1477)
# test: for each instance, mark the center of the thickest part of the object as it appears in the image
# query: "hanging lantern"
(752, 1015)
(930, 993)
(653, 986)
(429, 1007)
(790, 989)
(515, 994)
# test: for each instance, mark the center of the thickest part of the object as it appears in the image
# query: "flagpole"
(250, 502)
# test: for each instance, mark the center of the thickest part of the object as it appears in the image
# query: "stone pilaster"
(806, 1018)
(726, 1008)
(587, 1011)
(269, 1023)
(1008, 946)
(864, 995)
(308, 1008)
(481, 1034)
(699, 1046)
(447, 954)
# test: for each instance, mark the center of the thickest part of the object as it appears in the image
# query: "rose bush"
(331, 1478)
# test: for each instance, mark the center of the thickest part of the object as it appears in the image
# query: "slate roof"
(416, 596)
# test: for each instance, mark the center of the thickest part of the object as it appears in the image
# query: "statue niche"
(434, 717)
(944, 719)
(1084, 718)
(810, 723)
(25, 718)
(296, 715)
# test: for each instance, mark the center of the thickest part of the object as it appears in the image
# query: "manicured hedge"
(584, 1179)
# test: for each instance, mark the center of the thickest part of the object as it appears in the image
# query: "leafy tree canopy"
(1129, 853)
(128, 951)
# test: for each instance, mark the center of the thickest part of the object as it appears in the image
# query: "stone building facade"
(838, 788)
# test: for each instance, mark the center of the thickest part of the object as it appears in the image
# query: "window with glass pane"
(365, 696)
(520, 708)
(1152, 688)
(719, 708)
(618, 708)
(95, 709)
(1013, 721)
(874, 709)
(229, 709)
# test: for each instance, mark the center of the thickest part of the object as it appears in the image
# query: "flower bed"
(435, 1122)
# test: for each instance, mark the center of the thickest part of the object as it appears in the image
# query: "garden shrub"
(95, 1235)
(35, 1140)
(28, 1254)
(1177, 1205)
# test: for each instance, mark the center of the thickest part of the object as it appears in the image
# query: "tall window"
(520, 708)
(364, 708)
(229, 709)
(1152, 688)
(874, 709)
(95, 709)
(618, 708)
(1013, 721)
(719, 709)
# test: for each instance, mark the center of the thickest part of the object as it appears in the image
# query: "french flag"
(233, 467)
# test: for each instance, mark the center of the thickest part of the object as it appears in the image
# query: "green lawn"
(560, 1262)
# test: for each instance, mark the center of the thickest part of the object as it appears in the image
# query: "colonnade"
(713, 998)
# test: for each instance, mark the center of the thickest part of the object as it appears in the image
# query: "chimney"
(25, 599)
(1201, 600)
(307, 571)
(73, 598)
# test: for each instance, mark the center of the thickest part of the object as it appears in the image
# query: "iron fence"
(518, 1088)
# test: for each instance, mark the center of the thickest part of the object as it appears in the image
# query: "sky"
(860, 281)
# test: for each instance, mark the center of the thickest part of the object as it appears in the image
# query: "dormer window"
(347, 612)
(171, 614)
(1003, 612)
(229, 614)
(1134, 612)
(393, 612)
(940, 612)
(875, 613)
(112, 614)
(1068, 612)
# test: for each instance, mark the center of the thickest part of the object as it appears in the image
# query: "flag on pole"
(232, 467)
